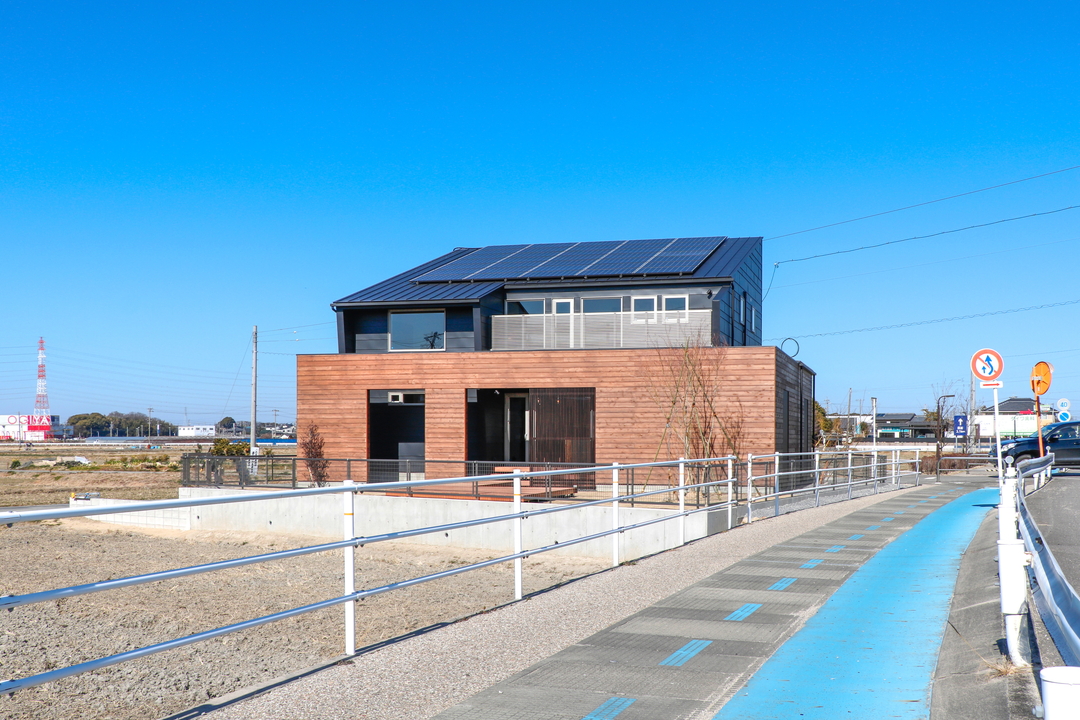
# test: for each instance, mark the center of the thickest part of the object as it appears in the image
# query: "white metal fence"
(656, 328)
(780, 483)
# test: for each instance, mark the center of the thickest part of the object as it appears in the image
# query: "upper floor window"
(524, 307)
(417, 330)
(675, 308)
(601, 305)
(644, 310)
(753, 319)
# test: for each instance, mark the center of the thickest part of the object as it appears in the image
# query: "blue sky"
(171, 176)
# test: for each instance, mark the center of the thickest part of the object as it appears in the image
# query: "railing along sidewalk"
(711, 478)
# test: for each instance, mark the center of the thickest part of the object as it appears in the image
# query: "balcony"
(665, 328)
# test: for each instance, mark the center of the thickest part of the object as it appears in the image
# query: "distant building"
(27, 428)
(195, 431)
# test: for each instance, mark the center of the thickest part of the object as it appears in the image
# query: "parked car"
(1062, 439)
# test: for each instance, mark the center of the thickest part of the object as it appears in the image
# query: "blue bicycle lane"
(871, 650)
(842, 621)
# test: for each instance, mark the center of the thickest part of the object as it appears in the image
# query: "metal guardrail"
(1056, 598)
(720, 479)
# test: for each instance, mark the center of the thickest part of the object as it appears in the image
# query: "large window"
(417, 330)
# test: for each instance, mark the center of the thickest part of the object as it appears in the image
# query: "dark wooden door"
(562, 425)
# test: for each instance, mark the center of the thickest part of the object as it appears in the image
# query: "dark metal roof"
(728, 257)
(446, 278)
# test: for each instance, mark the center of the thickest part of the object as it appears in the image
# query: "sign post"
(1041, 375)
(987, 365)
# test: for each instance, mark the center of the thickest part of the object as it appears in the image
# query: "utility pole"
(851, 433)
(873, 430)
(254, 382)
(971, 417)
(149, 414)
(873, 422)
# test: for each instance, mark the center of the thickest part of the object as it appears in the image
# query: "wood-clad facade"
(772, 393)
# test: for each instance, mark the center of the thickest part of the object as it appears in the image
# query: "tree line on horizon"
(117, 424)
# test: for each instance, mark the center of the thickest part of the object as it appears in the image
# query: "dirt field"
(44, 486)
(44, 636)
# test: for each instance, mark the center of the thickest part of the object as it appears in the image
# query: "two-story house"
(625, 351)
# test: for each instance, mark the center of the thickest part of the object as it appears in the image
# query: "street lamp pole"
(940, 432)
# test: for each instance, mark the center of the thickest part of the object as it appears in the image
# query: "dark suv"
(1062, 439)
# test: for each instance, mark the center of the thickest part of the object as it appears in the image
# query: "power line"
(1012, 249)
(297, 327)
(777, 264)
(922, 204)
(924, 237)
(938, 320)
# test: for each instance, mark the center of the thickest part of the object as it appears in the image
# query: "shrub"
(16, 464)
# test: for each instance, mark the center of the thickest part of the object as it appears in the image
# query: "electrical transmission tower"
(41, 402)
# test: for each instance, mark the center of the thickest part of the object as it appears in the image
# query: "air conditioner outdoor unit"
(395, 397)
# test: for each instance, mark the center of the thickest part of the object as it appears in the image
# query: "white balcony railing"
(670, 328)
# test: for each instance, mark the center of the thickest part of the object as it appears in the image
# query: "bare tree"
(311, 447)
(687, 383)
(944, 406)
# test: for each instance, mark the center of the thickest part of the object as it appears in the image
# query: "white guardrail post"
(817, 479)
(682, 501)
(1011, 562)
(918, 467)
(849, 469)
(615, 515)
(518, 531)
(730, 488)
(749, 487)
(776, 485)
(348, 502)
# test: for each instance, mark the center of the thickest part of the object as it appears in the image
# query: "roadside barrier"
(1057, 600)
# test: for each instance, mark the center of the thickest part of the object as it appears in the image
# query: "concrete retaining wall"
(173, 519)
(375, 515)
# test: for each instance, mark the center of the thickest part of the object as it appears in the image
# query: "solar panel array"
(671, 256)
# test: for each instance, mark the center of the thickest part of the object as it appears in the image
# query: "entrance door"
(517, 427)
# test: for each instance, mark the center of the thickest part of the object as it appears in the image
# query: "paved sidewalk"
(685, 655)
(870, 652)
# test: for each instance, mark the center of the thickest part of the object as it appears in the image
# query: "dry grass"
(49, 487)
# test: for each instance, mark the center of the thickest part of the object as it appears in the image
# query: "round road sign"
(1064, 416)
(987, 364)
(1040, 377)
(1063, 404)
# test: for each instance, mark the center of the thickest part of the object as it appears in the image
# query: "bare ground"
(44, 636)
(44, 486)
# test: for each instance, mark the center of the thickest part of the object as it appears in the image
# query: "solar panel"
(463, 267)
(588, 259)
(682, 256)
(521, 264)
(626, 259)
(573, 260)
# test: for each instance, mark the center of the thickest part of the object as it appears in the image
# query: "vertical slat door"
(562, 431)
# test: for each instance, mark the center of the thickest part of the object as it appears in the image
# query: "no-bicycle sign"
(987, 364)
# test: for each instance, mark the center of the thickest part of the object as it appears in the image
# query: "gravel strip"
(422, 676)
